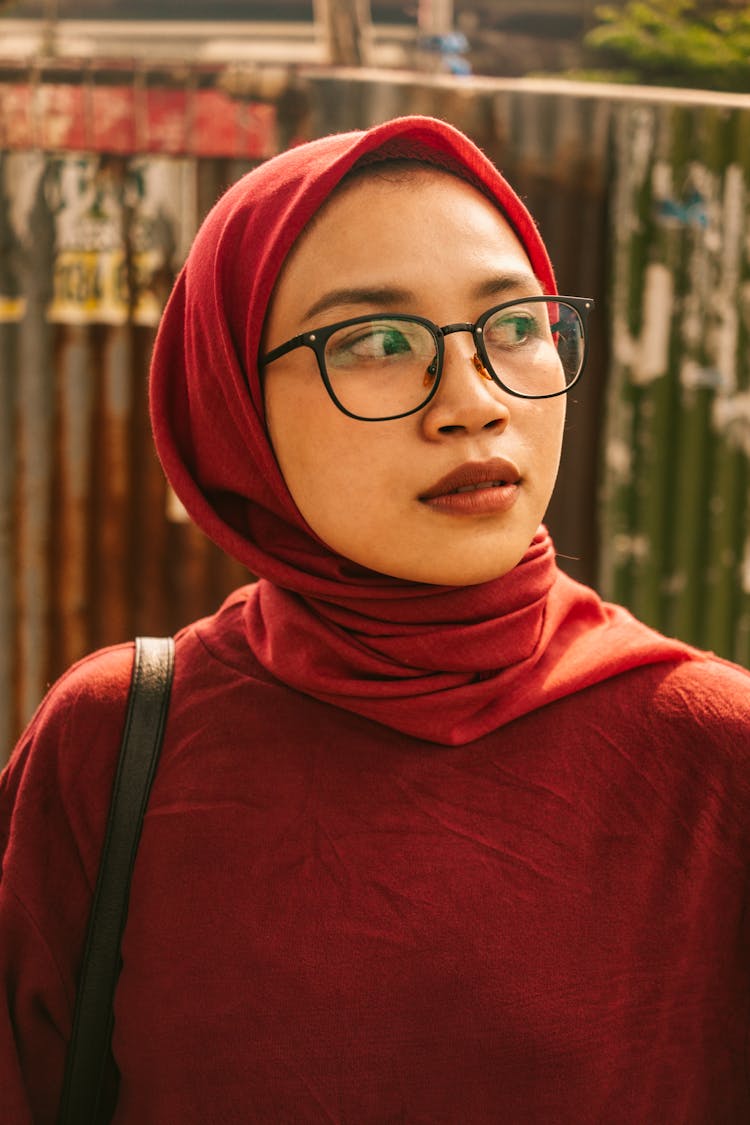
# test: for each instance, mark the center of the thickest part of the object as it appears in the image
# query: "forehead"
(399, 186)
(396, 221)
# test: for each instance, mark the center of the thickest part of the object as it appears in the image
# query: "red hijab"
(448, 664)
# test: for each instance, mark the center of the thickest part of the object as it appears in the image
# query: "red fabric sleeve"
(54, 796)
(34, 1010)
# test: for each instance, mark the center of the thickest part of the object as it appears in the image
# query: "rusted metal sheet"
(90, 552)
(12, 307)
(35, 438)
(8, 543)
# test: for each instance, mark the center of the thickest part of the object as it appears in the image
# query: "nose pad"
(430, 373)
(481, 368)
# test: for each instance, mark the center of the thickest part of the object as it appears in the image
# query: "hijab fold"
(523, 641)
(445, 664)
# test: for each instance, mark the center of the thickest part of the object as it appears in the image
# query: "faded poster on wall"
(109, 232)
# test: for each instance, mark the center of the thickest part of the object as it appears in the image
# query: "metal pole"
(49, 34)
(435, 17)
(346, 27)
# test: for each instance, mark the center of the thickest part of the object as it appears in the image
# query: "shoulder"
(692, 720)
(706, 693)
(97, 683)
(54, 794)
(89, 697)
(63, 764)
(699, 700)
(692, 711)
(671, 736)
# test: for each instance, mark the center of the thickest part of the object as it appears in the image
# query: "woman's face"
(384, 493)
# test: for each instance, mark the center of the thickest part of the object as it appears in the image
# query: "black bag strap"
(89, 1051)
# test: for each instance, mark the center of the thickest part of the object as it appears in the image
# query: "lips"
(475, 476)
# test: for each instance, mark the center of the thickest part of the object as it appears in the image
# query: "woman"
(436, 835)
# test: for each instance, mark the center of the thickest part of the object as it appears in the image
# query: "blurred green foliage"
(672, 43)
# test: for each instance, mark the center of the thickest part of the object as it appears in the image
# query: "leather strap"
(89, 1051)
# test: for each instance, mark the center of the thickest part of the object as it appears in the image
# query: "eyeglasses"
(384, 366)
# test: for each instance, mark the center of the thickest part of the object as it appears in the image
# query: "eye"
(512, 328)
(383, 341)
(359, 345)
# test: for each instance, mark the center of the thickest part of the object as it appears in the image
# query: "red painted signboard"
(134, 118)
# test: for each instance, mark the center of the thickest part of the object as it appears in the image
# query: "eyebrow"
(381, 295)
(385, 296)
(523, 282)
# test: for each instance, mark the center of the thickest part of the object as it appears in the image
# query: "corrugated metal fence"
(643, 201)
(675, 505)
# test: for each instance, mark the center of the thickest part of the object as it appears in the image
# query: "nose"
(467, 401)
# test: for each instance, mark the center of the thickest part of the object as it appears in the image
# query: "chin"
(468, 572)
(475, 577)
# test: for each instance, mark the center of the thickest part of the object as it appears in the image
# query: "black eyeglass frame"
(318, 338)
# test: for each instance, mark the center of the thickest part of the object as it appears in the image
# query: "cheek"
(291, 428)
(541, 433)
(546, 434)
(313, 443)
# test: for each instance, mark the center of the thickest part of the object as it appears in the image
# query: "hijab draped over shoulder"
(447, 664)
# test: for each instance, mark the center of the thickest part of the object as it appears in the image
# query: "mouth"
(479, 487)
(487, 488)
(474, 477)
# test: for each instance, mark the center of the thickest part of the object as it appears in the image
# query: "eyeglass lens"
(386, 366)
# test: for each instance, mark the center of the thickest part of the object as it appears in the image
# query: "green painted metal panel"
(675, 503)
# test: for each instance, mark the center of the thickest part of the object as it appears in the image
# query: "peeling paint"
(662, 184)
(695, 377)
(628, 547)
(675, 583)
(680, 350)
(710, 306)
(116, 227)
(726, 301)
(690, 212)
(647, 355)
(745, 569)
(22, 173)
(639, 142)
(634, 141)
(619, 456)
(731, 418)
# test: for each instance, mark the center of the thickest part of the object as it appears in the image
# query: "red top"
(332, 921)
